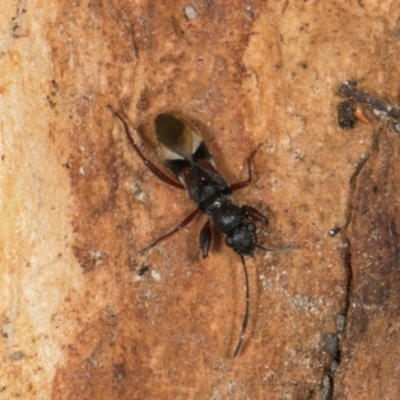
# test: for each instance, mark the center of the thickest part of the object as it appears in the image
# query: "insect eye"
(229, 241)
(251, 227)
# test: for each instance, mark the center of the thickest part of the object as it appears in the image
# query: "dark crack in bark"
(347, 257)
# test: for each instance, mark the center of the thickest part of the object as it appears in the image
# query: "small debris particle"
(334, 366)
(156, 275)
(334, 231)
(341, 323)
(327, 388)
(361, 116)
(331, 344)
(18, 355)
(143, 270)
(379, 113)
(191, 13)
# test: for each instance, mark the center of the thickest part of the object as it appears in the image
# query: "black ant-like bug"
(185, 153)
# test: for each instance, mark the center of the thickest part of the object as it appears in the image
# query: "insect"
(185, 153)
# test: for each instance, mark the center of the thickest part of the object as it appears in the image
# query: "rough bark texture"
(78, 320)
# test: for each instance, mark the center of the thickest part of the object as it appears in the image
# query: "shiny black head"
(243, 240)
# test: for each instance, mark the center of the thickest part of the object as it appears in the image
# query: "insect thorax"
(226, 216)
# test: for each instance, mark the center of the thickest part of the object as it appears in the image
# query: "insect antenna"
(278, 249)
(246, 314)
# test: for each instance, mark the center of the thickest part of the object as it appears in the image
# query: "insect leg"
(241, 185)
(205, 238)
(155, 170)
(254, 214)
(246, 314)
(184, 223)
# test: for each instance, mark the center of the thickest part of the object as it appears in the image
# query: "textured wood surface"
(78, 321)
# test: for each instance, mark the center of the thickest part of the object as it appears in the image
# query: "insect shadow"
(185, 153)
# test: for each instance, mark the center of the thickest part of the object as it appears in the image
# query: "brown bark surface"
(78, 320)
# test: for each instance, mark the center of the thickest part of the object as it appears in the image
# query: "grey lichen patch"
(17, 355)
(305, 303)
